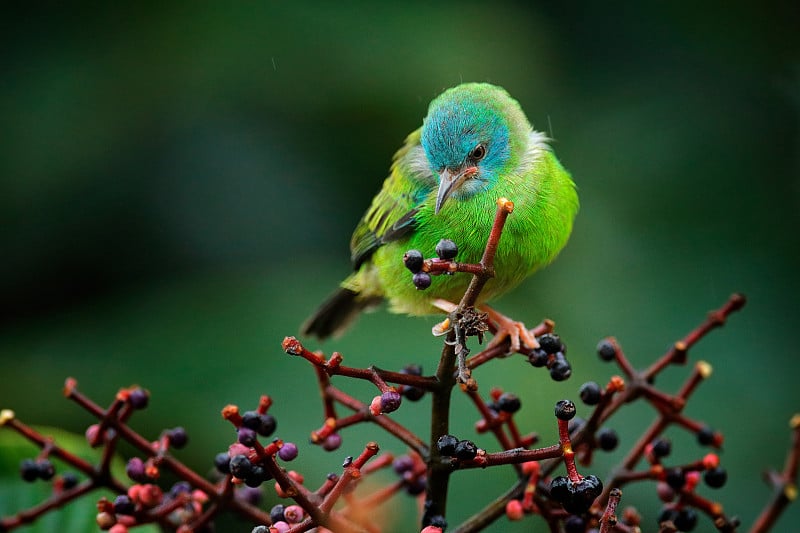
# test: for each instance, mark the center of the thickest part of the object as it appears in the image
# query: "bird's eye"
(478, 153)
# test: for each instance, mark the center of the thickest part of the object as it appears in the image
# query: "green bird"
(474, 146)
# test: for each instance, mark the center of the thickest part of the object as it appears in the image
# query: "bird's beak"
(450, 180)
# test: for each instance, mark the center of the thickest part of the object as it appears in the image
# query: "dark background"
(178, 184)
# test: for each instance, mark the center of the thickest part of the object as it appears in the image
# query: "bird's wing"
(391, 216)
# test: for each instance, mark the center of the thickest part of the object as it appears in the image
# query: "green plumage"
(474, 147)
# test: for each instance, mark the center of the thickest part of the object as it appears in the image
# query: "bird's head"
(472, 135)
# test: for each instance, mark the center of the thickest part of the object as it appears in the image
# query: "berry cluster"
(421, 268)
(461, 450)
(573, 503)
(677, 484)
(576, 496)
(31, 469)
(551, 354)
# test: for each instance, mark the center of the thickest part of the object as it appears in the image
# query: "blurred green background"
(178, 184)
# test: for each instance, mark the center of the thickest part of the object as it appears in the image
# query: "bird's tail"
(337, 313)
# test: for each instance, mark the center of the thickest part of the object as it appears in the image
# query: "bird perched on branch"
(474, 146)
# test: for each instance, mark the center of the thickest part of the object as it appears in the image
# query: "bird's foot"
(442, 327)
(510, 329)
(445, 325)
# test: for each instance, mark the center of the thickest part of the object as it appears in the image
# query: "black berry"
(667, 514)
(240, 466)
(686, 520)
(438, 521)
(565, 409)
(68, 480)
(257, 476)
(662, 447)
(413, 260)
(276, 514)
(178, 437)
(590, 393)
(251, 420)
(509, 403)
(560, 369)
(583, 494)
(716, 477)
(222, 463)
(675, 478)
(446, 249)
(46, 469)
(574, 524)
(705, 436)
(550, 343)
(538, 357)
(446, 444)
(28, 469)
(607, 439)
(560, 488)
(267, 425)
(606, 350)
(466, 450)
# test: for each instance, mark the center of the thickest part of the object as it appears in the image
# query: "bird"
(475, 146)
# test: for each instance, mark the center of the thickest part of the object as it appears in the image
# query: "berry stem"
(784, 484)
(567, 451)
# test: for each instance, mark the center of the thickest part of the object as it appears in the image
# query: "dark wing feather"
(390, 217)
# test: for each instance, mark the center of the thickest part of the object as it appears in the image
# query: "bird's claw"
(442, 327)
(514, 331)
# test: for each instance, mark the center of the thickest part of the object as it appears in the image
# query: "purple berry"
(276, 513)
(177, 437)
(332, 442)
(422, 280)
(390, 401)
(135, 470)
(138, 398)
(123, 505)
(246, 436)
(403, 464)
(288, 451)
